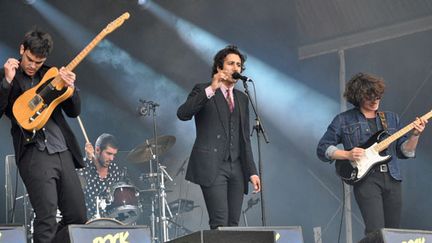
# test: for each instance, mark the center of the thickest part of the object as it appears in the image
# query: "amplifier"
(12, 233)
(283, 234)
(406, 236)
(108, 234)
(219, 236)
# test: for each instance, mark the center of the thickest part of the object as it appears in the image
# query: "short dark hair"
(39, 43)
(219, 58)
(364, 86)
(105, 140)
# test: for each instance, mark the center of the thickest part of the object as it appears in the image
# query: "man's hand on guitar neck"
(68, 77)
(419, 126)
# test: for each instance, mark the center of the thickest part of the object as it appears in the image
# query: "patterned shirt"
(95, 186)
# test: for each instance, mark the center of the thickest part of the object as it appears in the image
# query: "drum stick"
(83, 129)
(85, 135)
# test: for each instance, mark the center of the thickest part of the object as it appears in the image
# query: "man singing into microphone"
(221, 161)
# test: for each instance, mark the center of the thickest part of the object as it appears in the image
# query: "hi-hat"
(148, 150)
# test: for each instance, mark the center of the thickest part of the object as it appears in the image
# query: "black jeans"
(52, 182)
(379, 198)
(225, 197)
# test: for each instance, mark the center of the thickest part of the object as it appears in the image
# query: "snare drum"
(123, 202)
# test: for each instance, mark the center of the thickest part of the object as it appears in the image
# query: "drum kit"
(123, 203)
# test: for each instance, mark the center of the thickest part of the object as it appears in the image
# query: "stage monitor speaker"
(218, 236)
(283, 234)
(406, 236)
(15, 234)
(109, 233)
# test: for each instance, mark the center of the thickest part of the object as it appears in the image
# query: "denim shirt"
(351, 129)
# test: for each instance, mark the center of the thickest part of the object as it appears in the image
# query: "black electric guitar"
(354, 171)
(34, 107)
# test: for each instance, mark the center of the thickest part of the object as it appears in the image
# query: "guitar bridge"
(37, 113)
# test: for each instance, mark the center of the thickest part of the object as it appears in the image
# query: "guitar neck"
(110, 28)
(386, 142)
(77, 60)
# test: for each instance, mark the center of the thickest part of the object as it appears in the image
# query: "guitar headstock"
(116, 23)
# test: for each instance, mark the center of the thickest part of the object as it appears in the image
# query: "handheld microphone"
(239, 76)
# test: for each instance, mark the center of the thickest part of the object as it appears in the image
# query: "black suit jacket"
(211, 144)
(71, 107)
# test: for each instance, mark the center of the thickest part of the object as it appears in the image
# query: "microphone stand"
(259, 129)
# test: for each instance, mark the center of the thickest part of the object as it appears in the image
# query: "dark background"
(167, 46)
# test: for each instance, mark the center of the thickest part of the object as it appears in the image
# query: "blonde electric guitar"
(34, 107)
(354, 171)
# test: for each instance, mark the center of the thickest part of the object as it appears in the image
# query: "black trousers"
(380, 201)
(224, 198)
(52, 182)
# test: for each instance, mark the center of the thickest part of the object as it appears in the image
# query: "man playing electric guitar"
(47, 158)
(378, 194)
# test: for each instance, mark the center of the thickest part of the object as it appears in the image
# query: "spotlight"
(143, 3)
(29, 2)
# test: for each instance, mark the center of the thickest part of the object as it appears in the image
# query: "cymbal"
(144, 152)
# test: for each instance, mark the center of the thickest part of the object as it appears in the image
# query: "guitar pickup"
(35, 102)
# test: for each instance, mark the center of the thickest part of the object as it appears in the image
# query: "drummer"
(100, 173)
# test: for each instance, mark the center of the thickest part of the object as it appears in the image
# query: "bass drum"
(104, 222)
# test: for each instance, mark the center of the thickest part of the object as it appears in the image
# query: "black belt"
(383, 168)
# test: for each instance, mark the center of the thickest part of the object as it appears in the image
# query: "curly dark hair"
(38, 42)
(364, 86)
(219, 58)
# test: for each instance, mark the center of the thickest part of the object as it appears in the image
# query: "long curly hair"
(364, 86)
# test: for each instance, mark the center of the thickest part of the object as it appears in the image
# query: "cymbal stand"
(163, 202)
(153, 219)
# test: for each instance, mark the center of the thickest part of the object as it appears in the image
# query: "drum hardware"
(163, 202)
(123, 203)
(104, 222)
(182, 206)
(99, 204)
(179, 226)
(147, 176)
(150, 151)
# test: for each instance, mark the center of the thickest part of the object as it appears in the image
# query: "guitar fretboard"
(386, 142)
(77, 60)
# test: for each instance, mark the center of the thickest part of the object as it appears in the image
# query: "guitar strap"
(383, 120)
